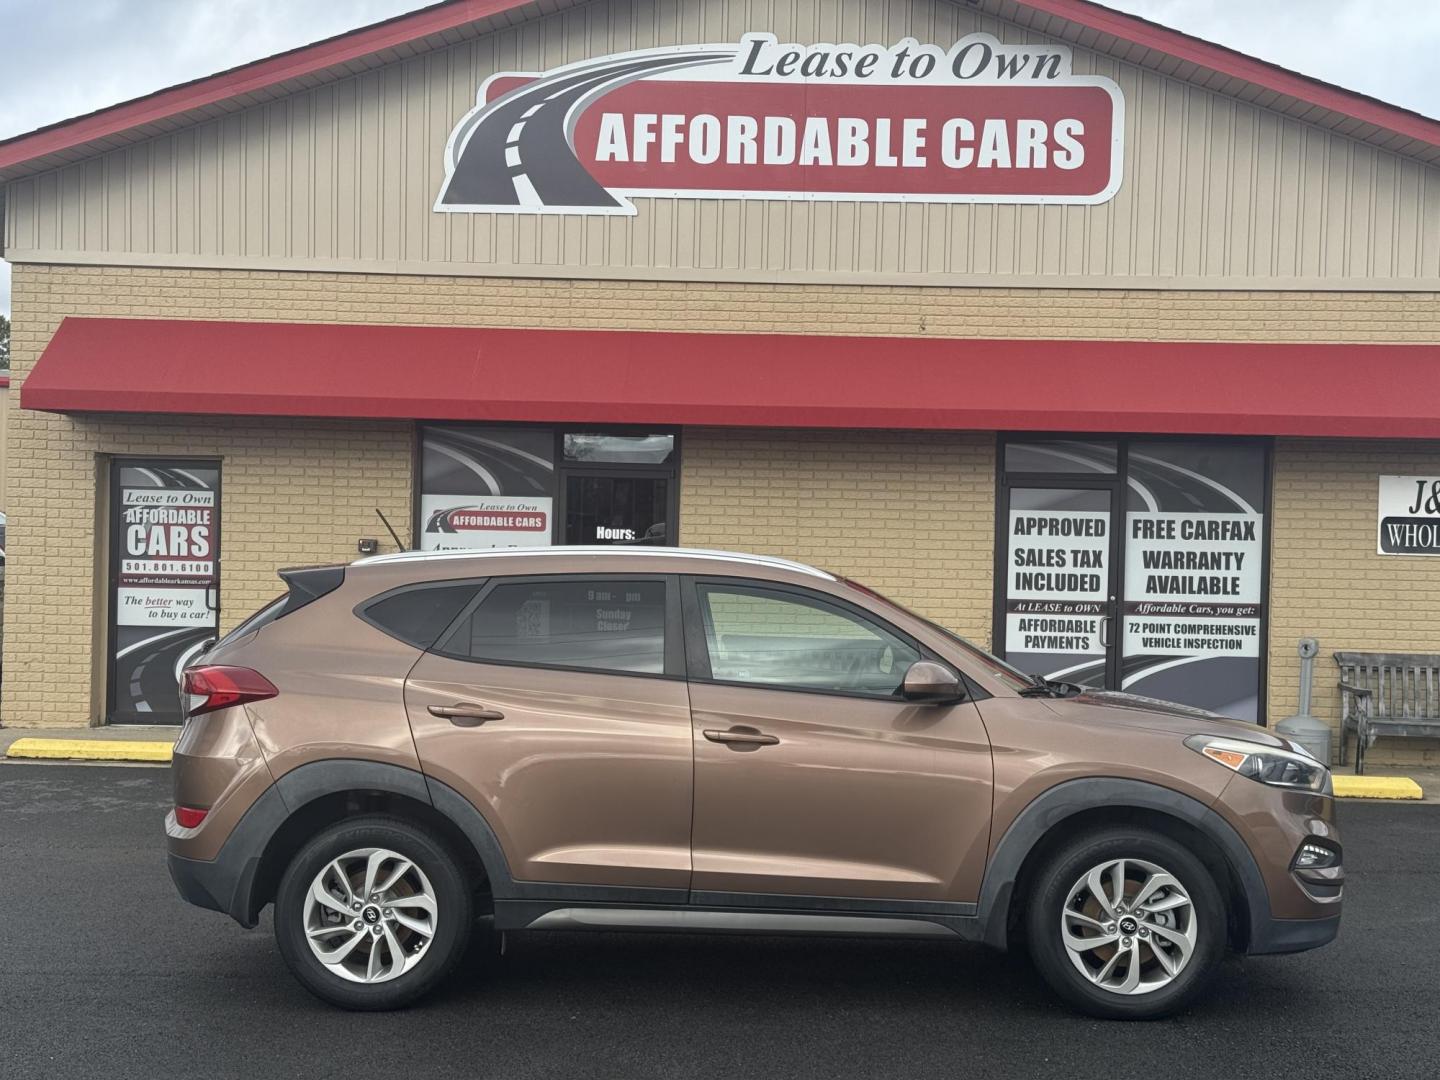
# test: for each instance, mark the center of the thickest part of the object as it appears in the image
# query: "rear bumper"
(227, 882)
(217, 885)
(1274, 936)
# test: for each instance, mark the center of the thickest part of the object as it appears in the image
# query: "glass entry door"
(626, 508)
(1059, 586)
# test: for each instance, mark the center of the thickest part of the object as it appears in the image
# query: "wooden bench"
(1393, 694)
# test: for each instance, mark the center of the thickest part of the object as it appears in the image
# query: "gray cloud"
(1384, 48)
(64, 58)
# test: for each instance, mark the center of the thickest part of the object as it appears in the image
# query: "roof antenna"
(393, 534)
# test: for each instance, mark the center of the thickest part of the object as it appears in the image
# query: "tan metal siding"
(1217, 191)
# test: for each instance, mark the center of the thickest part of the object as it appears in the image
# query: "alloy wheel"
(1129, 926)
(370, 915)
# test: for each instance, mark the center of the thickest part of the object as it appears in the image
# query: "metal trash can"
(1312, 734)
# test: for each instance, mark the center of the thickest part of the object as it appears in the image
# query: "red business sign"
(468, 519)
(979, 122)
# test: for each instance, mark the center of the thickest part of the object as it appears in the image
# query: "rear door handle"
(466, 714)
(741, 736)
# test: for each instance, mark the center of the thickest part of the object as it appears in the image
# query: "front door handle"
(465, 714)
(741, 737)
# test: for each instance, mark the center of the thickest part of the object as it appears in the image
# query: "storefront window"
(486, 488)
(1145, 576)
(512, 487)
(164, 581)
(1194, 559)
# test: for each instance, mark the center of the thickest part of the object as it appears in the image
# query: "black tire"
(454, 920)
(1074, 860)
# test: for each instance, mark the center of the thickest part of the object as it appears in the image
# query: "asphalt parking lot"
(104, 972)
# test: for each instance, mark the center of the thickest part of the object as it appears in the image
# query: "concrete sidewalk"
(131, 742)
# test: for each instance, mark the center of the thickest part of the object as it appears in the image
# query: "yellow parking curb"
(1377, 787)
(90, 750)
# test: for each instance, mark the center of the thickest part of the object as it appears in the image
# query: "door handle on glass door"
(741, 737)
(466, 714)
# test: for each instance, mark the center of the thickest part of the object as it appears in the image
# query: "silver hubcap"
(1128, 927)
(370, 915)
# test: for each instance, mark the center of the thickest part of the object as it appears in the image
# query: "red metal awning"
(760, 380)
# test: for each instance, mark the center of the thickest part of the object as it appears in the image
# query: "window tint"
(419, 615)
(608, 625)
(774, 638)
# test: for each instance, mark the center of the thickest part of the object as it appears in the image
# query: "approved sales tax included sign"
(978, 122)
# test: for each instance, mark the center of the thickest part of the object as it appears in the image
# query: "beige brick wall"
(861, 504)
(1328, 582)
(909, 514)
(1149, 315)
(292, 493)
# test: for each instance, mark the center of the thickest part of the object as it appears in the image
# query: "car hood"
(1150, 714)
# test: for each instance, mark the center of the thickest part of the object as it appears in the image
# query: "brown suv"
(614, 738)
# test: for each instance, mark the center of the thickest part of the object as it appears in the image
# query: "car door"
(558, 706)
(813, 778)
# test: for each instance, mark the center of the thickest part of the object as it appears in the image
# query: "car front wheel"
(1126, 924)
(373, 914)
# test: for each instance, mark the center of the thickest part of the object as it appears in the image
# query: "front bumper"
(1290, 910)
(1273, 936)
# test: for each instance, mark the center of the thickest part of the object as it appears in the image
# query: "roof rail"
(611, 551)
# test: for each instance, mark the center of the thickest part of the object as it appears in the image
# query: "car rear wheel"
(373, 913)
(1126, 924)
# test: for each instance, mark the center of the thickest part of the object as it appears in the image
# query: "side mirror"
(929, 683)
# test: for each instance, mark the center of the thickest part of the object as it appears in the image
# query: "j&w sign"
(980, 122)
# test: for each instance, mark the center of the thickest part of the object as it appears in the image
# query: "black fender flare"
(320, 778)
(232, 881)
(1071, 797)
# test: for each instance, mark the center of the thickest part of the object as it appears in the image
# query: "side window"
(603, 624)
(419, 615)
(774, 638)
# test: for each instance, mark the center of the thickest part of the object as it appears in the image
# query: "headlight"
(1267, 764)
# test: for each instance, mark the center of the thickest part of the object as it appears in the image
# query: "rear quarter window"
(418, 614)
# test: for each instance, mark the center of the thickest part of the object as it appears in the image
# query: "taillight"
(187, 817)
(212, 687)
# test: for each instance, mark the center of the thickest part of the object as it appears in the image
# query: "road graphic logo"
(981, 122)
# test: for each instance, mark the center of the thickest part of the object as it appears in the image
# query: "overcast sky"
(61, 58)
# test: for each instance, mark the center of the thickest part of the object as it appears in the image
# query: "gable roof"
(1078, 22)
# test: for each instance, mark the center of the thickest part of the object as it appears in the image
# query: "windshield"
(1011, 676)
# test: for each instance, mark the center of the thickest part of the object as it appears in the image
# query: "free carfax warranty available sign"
(980, 122)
